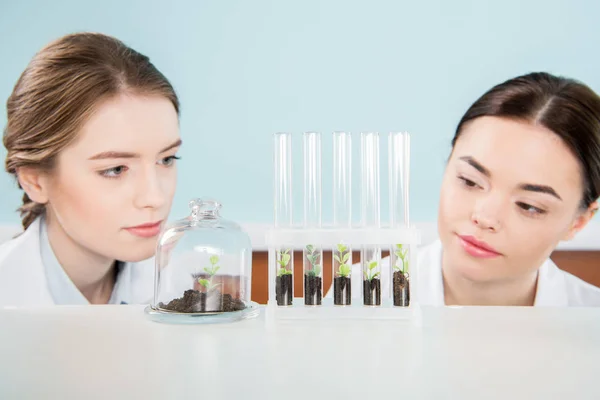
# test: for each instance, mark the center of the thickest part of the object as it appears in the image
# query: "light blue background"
(247, 69)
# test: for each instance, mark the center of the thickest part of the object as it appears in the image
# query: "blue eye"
(168, 161)
(114, 172)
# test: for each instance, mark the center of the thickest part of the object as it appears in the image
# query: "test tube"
(313, 252)
(370, 204)
(284, 256)
(342, 216)
(399, 163)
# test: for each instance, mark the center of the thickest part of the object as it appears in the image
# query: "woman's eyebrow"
(530, 187)
(119, 154)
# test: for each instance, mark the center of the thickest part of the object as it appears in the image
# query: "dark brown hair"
(565, 106)
(59, 90)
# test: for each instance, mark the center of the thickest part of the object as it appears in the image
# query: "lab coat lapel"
(22, 275)
(551, 287)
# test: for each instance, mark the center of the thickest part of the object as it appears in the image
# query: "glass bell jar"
(203, 269)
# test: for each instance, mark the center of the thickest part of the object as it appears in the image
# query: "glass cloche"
(203, 269)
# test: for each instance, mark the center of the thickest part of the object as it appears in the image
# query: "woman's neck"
(92, 274)
(461, 291)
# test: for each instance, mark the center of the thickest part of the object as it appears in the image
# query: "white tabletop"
(115, 352)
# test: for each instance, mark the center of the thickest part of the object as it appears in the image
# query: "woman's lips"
(145, 230)
(477, 248)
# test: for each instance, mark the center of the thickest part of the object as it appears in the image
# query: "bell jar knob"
(205, 207)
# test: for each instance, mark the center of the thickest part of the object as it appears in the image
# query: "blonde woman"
(92, 137)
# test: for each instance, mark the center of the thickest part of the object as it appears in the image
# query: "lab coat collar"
(61, 287)
(22, 276)
(551, 286)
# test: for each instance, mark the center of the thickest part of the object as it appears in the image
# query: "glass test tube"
(313, 252)
(342, 216)
(399, 163)
(370, 204)
(284, 256)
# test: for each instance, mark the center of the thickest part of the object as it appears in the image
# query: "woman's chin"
(473, 269)
(136, 254)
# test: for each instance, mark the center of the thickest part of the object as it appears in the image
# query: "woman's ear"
(582, 220)
(33, 182)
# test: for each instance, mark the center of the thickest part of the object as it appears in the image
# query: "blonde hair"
(59, 90)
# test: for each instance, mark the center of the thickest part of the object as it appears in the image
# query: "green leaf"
(337, 258)
(214, 260)
(286, 259)
(372, 264)
(207, 270)
(317, 269)
(375, 275)
(341, 248)
(280, 263)
(204, 282)
(310, 248)
(344, 270)
(215, 269)
(346, 257)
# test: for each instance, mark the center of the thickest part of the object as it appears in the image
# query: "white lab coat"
(23, 279)
(555, 288)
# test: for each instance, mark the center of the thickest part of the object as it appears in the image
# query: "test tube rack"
(369, 235)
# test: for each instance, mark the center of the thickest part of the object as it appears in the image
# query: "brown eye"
(529, 209)
(467, 182)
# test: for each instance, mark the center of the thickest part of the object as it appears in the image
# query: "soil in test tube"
(401, 289)
(312, 290)
(372, 292)
(283, 290)
(342, 293)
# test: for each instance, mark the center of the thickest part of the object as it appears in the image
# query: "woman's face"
(112, 189)
(511, 191)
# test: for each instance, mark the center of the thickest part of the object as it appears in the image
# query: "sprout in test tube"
(313, 256)
(283, 259)
(313, 291)
(342, 294)
(401, 259)
(401, 282)
(284, 281)
(370, 274)
(342, 258)
(372, 284)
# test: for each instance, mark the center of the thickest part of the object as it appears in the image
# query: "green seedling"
(401, 253)
(283, 259)
(370, 273)
(312, 255)
(211, 271)
(342, 258)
